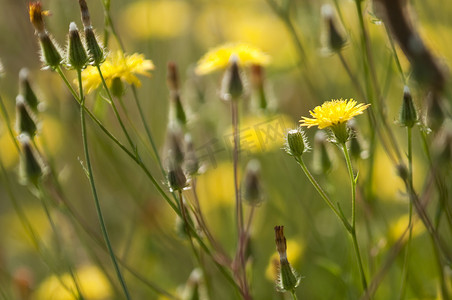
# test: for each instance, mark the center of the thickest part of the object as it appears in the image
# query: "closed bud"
(296, 143)
(288, 279)
(51, 53)
(31, 169)
(402, 171)
(177, 110)
(252, 185)
(356, 144)
(257, 80)
(85, 13)
(191, 161)
(408, 114)
(26, 90)
(172, 77)
(176, 177)
(232, 83)
(77, 57)
(334, 37)
(175, 143)
(95, 50)
(322, 158)
(24, 121)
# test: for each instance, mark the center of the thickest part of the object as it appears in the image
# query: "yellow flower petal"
(117, 65)
(333, 112)
(218, 58)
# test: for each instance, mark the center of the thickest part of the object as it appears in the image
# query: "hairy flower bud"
(334, 37)
(288, 278)
(31, 169)
(24, 120)
(408, 114)
(252, 186)
(77, 57)
(296, 143)
(232, 83)
(26, 90)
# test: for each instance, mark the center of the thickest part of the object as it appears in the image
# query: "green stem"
(148, 130)
(115, 110)
(353, 231)
(323, 194)
(93, 188)
(8, 124)
(294, 295)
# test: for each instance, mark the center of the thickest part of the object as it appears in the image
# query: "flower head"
(118, 65)
(219, 57)
(36, 13)
(333, 113)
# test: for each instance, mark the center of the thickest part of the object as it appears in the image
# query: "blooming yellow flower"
(117, 65)
(333, 112)
(218, 57)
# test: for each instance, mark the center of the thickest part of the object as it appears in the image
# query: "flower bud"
(85, 13)
(31, 169)
(296, 143)
(408, 114)
(172, 77)
(50, 51)
(252, 186)
(77, 57)
(175, 143)
(95, 50)
(288, 279)
(24, 121)
(257, 80)
(356, 143)
(176, 177)
(191, 159)
(232, 83)
(322, 159)
(25, 89)
(335, 40)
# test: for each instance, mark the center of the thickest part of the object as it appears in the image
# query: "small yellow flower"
(218, 57)
(118, 65)
(333, 113)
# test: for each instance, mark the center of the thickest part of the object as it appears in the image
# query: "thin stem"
(294, 295)
(113, 105)
(323, 194)
(236, 135)
(410, 214)
(351, 75)
(8, 124)
(93, 188)
(353, 231)
(148, 130)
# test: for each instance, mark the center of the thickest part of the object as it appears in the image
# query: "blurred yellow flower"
(215, 187)
(398, 227)
(218, 57)
(156, 19)
(253, 23)
(93, 284)
(8, 152)
(261, 133)
(333, 112)
(295, 251)
(117, 65)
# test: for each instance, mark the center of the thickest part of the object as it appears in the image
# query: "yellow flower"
(218, 57)
(93, 284)
(162, 19)
(118, 65)
(333, 113)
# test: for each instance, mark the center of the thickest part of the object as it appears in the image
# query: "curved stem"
(323, 194)
(353, 231)
(93, 188)
(113, 105)
(294, 295)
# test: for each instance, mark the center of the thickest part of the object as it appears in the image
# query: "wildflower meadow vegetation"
(213, 149)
